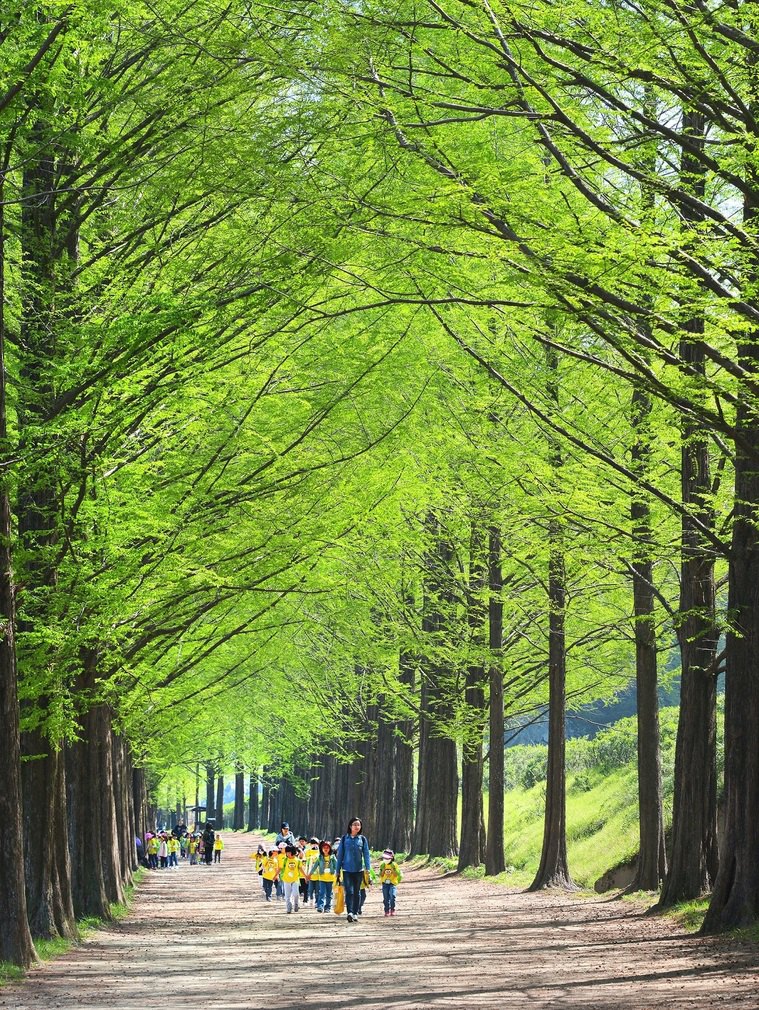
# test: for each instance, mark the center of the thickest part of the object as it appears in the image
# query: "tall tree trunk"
(694, 847)
(495, 858)
(93, 836)
(403, 767)
(735, 899)
(652, 860)
(253, 811)
(46, 857)
(220, 802)
(210, 797)
(140, 802)
(472, 848)
(437, 780)
(264, 819)
(15, 938)
(238, 821)
(554, 868)
(385, 779)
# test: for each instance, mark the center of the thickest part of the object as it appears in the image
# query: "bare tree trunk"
(140, 802)
(554, 869)
(437, 780)
(694, 848)
(495, 859)
(735, 899)
(46, 862)
(220, 802)
(238, 820)
(403, 768)
(253, 810)
(15, 939)
(92, 830)
(210, 798)
(652, 860)
(385, 782)
(265, 819)
(472, 821)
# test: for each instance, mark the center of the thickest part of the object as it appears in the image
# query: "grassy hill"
(602, 800)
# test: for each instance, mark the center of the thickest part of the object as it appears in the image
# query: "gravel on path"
(204, 937)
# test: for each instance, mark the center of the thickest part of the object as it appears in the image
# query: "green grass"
(602, 825)
(9, 972)
(690, 915)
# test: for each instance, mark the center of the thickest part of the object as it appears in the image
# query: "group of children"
(164, 849)
(306, 872)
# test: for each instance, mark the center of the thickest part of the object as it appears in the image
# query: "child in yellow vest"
(270, 872)
(153, 846)
(259, 855)
(292, 874)
(173, 846)
(218, 848)
(390, 876)
(310, 859)
(281, 857)
(324, 871)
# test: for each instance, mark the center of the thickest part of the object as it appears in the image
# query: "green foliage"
(295, 302)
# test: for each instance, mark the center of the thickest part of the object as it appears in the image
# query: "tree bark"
(238, 821)
(735, 899)
(15, 938)
(253, 810)
(265, 799)
(403, 767)
(220, 802)
(140, 802)
(472, 846)
(652, 860)
(437, 779)
(210, 797)
(694, 847)
(554, 868)
(495, 858)
(385, 779)
(46, 857)
(90, 827)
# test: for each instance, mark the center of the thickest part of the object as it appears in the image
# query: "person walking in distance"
(218, 848)
(209, 836)
(352, 860)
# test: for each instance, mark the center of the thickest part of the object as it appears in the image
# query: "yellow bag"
(367, 879)
(339, 905)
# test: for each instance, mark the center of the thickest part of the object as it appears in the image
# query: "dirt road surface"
(204, 937)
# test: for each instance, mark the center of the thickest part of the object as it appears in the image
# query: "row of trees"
(373, 380)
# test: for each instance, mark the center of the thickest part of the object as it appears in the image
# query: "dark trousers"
(352, 883)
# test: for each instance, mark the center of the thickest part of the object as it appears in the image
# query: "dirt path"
(204, 937)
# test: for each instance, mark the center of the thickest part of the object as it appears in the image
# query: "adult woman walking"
(352, 860)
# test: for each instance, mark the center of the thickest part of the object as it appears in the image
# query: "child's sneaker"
(392, 911)
(387, 913)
